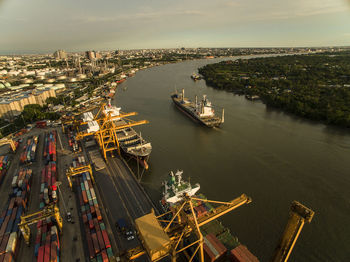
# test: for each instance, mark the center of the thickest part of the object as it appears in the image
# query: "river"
(271, 156)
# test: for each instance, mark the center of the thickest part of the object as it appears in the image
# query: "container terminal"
(69, 195)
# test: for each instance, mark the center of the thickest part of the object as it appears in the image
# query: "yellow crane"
(162, 237)
(299, 214)
(27, 220)
(106, 135)
(9, 141)
(73, 171)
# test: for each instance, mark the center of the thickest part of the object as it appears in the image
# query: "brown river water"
(271, 156)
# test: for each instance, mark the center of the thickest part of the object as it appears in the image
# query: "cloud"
(139, 16)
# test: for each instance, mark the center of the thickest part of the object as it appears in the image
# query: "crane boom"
(223, 209)
(299, 214)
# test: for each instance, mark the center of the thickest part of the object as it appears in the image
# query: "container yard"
(4, 166)
(11, 214)
(97, 240)
(29, 150)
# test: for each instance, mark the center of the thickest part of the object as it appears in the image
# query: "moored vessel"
(131, 142)
(196, 77)
(202, 111)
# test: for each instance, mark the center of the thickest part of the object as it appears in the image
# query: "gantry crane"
(170, 234)
(299, 214)
(72, 119)
(73, 171)
(27, 220)
(106, 135)
(162, 237)
(9, 141)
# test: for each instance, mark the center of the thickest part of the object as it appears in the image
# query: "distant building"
(91, 55)
(60, 54)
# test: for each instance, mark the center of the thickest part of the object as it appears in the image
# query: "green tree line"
(312, 86)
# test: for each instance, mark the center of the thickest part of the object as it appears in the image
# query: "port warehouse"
(47, 242)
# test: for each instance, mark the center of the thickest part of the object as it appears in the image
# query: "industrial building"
(12, 103)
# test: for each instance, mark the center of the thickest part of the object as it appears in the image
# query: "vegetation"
(313, 86)
(31, 113)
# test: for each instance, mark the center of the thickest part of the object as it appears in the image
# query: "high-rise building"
(60, 54)
(90, 55)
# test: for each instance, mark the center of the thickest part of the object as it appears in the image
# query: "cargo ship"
(131, 142)
(196, 77)
(219, 243)
(203, 112)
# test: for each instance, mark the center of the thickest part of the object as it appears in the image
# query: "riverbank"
(313, 86)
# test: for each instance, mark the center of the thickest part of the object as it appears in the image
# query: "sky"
(39, 26)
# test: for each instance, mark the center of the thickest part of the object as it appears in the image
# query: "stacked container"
(47, 244)
(220, 235)
(50, 146)
(73, 143)
(11, 216)
(28, 154)
(48, 188)
(4, 166)
(214, 250)
(242, 254)
(97, 239)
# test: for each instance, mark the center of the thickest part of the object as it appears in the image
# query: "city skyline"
(37, 26)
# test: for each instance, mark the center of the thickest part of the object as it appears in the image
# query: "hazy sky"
(75, 25)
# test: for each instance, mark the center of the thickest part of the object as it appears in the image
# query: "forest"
(315, 86)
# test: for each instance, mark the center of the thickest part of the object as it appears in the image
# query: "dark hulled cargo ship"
(202, 111)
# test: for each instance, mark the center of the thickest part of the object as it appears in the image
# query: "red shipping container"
(47, 253)
(3, 214)
(92, 209)
(91, 224)
(95, 243)
(3, 244)
(106, 239)
(85, 197)
(100, 240)
(104, 256)
(12, 202)
(90, 245)
(216, 243)
(85, 219)
(236, 256)
(245, 251)
(209, 255)
(98, 214)
(96, 224)
(53, 255)
(8, 257)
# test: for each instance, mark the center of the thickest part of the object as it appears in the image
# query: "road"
(122, 197)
